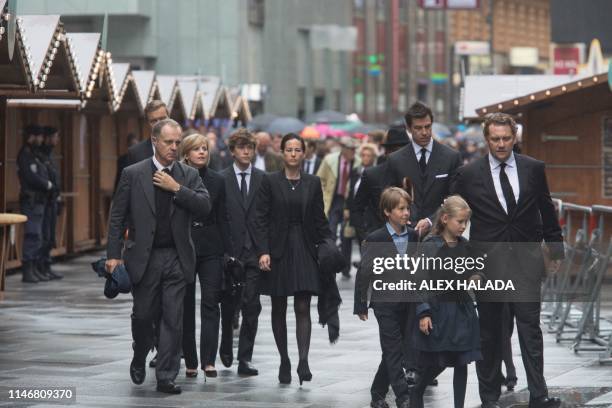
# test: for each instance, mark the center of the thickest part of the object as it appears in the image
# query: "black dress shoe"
(381, 403)
(153, 362)
(168, 387)
(411, 377)
(545, 402)
(137, 372)
(246, 368)
(510, 384)
(210, 373)
(490, 405)
(226, 359)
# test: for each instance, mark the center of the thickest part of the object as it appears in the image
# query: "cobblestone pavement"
(67, 334)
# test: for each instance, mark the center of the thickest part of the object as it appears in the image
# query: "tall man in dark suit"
(155, 111)
(428, 166)
(242, 182)
(155, 200)
(511, 203)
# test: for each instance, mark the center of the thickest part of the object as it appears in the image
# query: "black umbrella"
(261, 121)
(284, 125)
(326, 116)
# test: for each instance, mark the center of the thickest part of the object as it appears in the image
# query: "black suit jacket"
(211, 234)
(134, 207)
(430, 191)
(139, 152)
(272, 222)
(365, 214)
(317, 164)
(241, 215)
(534, 219)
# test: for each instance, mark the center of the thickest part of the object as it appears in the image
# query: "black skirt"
(295, 271)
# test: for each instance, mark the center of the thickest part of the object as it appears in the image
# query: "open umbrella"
(261, 121)
(284, 125)
(310, 132)
(326, 116)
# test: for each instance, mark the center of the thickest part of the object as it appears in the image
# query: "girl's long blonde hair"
(451, 207)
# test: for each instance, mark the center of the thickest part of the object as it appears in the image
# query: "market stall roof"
(122, 85)
(222, 105)
(15, 74)
(88, 57)
(526, 99)
(191, 96)
(50, 59)
(45, 103)
(484, 90)
(241, 109)
(209, 88)
(168, 88)
(146, 85)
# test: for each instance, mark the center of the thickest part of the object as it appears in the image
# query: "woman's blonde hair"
(451, 207)
(369, 146)
(391, 198)
(193, 141)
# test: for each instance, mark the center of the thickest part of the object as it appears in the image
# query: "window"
(256, 12)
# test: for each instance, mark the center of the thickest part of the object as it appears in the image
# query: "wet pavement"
(63, 334)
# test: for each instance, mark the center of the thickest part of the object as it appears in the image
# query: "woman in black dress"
(211, 239)
(290, 223)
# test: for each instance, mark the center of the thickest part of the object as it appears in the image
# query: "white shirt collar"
(160, 166)
(238, 171)
(494, 163)
(417, 148)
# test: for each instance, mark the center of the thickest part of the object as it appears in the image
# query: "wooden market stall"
(170, 93)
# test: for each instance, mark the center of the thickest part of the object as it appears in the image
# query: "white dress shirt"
(247, 177)
(417, 150)
(309, 164)
(260, 163)
(512, 173)
(160, 166)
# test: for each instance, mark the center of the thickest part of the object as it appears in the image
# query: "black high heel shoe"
(303, 371)
(284, 372)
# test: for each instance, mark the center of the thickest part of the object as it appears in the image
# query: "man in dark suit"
(427, 164)
(511, 203)
(155, 201)
(242, 182)
(427, 167)
(312, 162)
(155, 111)
(365, 214)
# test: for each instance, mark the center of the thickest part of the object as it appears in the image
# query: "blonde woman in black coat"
(211, 238)
(290, 223)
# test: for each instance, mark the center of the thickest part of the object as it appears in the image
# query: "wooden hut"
(170, 93)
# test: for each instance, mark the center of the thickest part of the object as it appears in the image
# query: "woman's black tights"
(431, 372)
(301, 306)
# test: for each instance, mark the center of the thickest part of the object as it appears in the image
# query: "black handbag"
(330, 259)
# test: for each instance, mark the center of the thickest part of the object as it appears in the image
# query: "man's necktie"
(507, 189)
(423, 160)
(166, 170)
(243, 186)
(344, 178)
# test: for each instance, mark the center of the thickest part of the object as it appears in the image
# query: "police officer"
(52, 202)
(35, 187)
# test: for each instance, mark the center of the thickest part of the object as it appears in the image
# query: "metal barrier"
(580, 277)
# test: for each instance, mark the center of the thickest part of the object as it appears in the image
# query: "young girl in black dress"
(448, 334)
